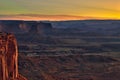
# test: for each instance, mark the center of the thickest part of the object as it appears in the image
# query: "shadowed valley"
(67, 50)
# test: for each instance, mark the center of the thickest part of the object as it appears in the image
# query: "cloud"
(42, 17)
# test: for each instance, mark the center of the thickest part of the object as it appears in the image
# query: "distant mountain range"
(106, 27)
(15, 26)
(77, 27)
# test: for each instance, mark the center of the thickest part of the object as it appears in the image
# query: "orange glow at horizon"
(81, 9)
(53, 17)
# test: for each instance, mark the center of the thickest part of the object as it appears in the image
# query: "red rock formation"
(9, 58)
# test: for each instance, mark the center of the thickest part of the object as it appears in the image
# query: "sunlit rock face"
(9, 58)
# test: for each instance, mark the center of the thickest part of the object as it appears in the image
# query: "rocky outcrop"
(9, 58)
(10, 26)
(25, 26)
(41, 28)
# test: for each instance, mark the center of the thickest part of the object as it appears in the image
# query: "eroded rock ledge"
(9, 58)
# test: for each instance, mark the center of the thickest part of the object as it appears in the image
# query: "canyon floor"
(83, 58)
(67, 50)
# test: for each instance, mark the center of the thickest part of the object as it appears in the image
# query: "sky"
(60, 9)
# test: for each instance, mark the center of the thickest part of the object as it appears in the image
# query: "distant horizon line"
(40, 17)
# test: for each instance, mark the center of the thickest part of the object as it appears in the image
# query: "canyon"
(65, 50)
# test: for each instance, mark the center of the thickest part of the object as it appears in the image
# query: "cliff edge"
(9, 58)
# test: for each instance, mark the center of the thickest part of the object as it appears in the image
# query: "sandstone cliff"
(10, 26)
(18, 27)
(9, 58)
(41, 28)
